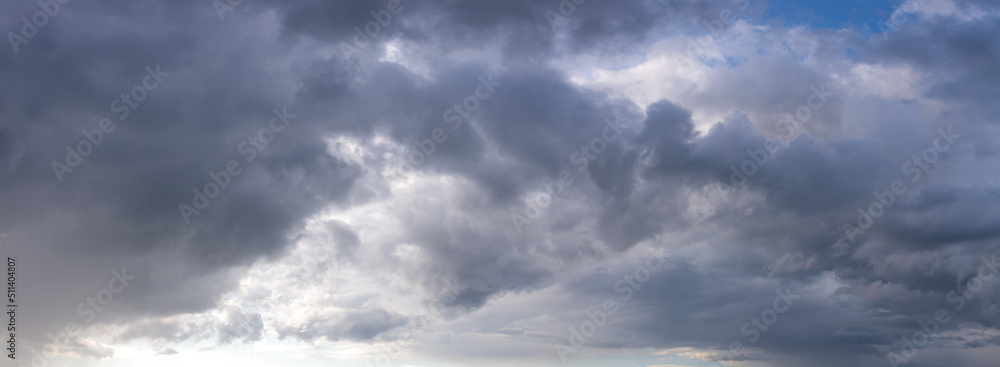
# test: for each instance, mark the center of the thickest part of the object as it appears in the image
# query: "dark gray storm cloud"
(219, 157)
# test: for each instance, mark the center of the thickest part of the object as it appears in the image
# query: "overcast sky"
(437, 183)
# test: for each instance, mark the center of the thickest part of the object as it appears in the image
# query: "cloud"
(166, 352)
(331, 235)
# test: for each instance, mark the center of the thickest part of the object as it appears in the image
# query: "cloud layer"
(467, 182)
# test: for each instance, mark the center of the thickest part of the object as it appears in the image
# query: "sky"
(541, 183)
(829, 14)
